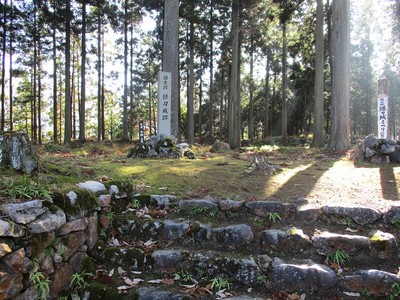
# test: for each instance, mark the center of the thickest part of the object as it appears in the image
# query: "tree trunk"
(82, 112)
(55, 110)
(11, 66)
(318, 132)
(233, 92)
(339, 138)
(3, 70)
(125, 136)
(99, 124)
(251, 112)
(68, 109)
(221, 105)
(284, 86)
(170, 60)
(211, 107)
(190, 104)
(266, 102)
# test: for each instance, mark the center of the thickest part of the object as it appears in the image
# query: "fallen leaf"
(134, 281)
(156, 281)
(111, 273)
(121, 271)
(168, 281)
(293, 296)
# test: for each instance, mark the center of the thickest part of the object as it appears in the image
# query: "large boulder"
(16, 151)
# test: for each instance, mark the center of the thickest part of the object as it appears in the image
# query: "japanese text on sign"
(383, 117)
(164, 103)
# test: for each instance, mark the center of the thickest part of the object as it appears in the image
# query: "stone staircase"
(158, 247)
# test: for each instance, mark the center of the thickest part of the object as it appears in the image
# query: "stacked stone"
(39, 236)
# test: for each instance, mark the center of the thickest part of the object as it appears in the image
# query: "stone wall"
(48, 237)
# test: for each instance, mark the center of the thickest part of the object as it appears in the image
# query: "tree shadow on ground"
(303, 182)
(388, 183)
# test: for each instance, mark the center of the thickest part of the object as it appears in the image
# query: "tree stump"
(261, 165)
(16, 151)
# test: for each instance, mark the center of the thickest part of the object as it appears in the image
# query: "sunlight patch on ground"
(336, 183)
(279, 180)
(128, 170)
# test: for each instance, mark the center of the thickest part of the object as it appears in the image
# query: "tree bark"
(251, 112)
(82, 113)
(318, 132)
(190, 104)
(266, 102)
(55, 116)
(284, 86)
(211, 108)
(233, 92)
(125, 136)
(11, 67)
(3, 70)
(170, 60)
(68, 109)
(339, 138)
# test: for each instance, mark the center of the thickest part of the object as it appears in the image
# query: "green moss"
(85, 201)
(124, 186)
(40, 241)
(101, 291)
(88, 265)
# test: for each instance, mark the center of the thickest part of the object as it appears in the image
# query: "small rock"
(327, 243)
(230, 205)
(173, 230)
(93, 186)
(104, 200)
(75, 225)
(375, 282)
(301, 277)
(168, 261)
(201, 203)
(263, 208)
(360, 214)
(12, 230)
(24, 213)
(48, 222)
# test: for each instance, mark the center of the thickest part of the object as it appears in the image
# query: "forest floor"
(319, 176)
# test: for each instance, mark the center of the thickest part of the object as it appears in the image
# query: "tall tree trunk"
(233, 126)
(68, 108)
(266, 101)
(39, 93)
(251, 112)
(339, 138)
(125, 136)
(170, 60)
(55, 117)
(190, 104)
(318, 132)
(99, 53)
(284, 86)
(131, 87)
(211, 97)
(11, 66)
(82, 111)
(3, 70)
(103, 100)
(330, 55)
(221, 105)
(35, 64)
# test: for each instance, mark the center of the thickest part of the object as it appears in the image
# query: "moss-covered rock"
(75, 202)
(99, 291)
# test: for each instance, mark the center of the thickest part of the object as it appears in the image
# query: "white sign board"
(164, 103)
(383, 113)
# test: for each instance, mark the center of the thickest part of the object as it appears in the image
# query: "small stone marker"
(383, 109)
(141, 132)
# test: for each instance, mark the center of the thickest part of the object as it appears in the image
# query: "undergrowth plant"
(395, 291)
(339, 257)
(219, 283)
(79, 281)
(25, 189)
(273, 217)
(41, 283)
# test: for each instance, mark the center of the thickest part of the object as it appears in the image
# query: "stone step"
(260, 273)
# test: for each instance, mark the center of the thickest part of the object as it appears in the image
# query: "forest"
(247, 70)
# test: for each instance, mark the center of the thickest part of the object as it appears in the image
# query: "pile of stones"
(380, 150)
(161, 146)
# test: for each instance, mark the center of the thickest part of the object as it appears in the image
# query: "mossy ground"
(314, 174)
